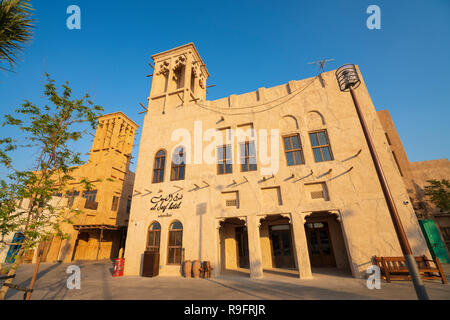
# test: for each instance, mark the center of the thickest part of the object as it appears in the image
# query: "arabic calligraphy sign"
(161, 204)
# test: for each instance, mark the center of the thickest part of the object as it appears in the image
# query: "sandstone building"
(314, 201)
(416, 176)
(99, 231)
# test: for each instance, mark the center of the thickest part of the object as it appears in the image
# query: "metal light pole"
(348, 80)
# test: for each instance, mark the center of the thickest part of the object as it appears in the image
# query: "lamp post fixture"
(348, 80)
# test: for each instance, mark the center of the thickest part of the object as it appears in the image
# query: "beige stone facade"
(416, 175)
(99, 230)
(311, 214)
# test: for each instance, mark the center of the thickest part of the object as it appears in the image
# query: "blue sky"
(246, 45)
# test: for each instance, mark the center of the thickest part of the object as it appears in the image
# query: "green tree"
(48, 134)
(15, 30)
(439, 193)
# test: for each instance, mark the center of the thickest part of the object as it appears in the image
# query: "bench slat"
(395, 268)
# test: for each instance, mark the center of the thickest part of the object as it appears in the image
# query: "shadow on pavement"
(40, 274)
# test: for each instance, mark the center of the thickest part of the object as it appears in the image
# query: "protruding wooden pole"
(99, 242)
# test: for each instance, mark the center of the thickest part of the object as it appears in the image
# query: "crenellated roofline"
(118, 113)
(180, 49)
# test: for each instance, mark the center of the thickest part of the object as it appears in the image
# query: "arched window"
(175, 243)
(178, 164)
(158, 168)
(154, 235)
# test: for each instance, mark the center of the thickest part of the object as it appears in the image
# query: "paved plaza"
(97, 283)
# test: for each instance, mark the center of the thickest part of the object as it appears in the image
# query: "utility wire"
(291, 96)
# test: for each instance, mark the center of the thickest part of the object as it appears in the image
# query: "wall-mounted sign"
(171, 202)
(164, 215)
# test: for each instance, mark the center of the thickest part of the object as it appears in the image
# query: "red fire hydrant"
(118, 267)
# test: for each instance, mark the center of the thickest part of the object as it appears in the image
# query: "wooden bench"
(395, 268)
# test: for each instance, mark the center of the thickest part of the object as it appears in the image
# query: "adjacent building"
(278, 178)
(416, 176)
(99, 230)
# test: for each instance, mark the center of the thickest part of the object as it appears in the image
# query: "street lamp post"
(348, 80)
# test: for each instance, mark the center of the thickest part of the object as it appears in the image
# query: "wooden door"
(242, 247)
(80, 251)
(280, 236)
(45, 247)
(319, 244)
(434, 241)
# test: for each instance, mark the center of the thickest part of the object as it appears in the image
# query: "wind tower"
(113, 142)
(179, 78)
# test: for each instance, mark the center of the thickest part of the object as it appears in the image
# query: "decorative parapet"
(163, 68)
(180, 62)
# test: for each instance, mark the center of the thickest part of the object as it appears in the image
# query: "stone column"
(254, 247)
(106, 127)
(115, 139)
(129, 141)
(187, 79)
(217, 265)
(108, 133)
(301, 247)
(99, 135)
(123, 136)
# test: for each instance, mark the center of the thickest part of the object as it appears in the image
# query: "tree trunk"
(33, 278)
(12, 272)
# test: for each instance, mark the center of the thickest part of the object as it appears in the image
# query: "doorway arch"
(326, 243)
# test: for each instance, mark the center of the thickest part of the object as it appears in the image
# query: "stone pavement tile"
(97, 283)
